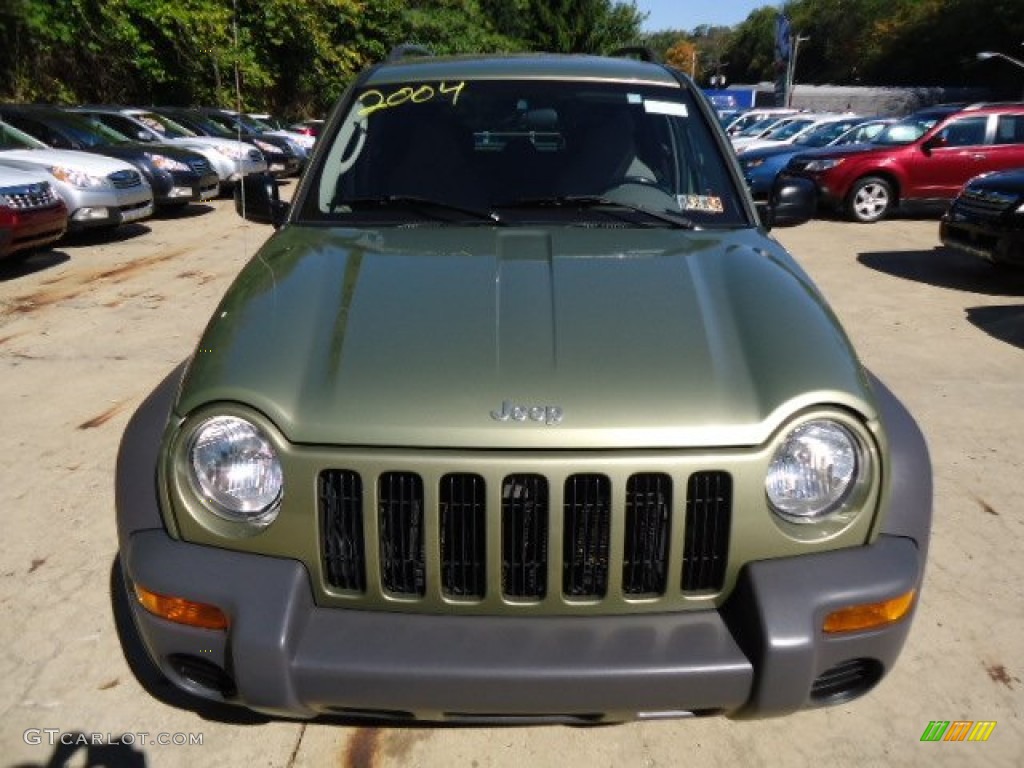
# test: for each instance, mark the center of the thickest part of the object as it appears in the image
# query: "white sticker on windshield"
(702, 203)
(665, 108)
(634, 98)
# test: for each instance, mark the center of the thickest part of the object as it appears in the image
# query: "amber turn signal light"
(857, 618)
(182, 611)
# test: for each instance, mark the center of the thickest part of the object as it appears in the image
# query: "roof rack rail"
(642, 52)
(408, 49)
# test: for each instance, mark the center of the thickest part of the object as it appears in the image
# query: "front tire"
(870, 200)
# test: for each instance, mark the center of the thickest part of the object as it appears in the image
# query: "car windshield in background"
(824, 135)
(516, 151)
(904, 132)
(164, 125)
(12, 138)
(87, 133)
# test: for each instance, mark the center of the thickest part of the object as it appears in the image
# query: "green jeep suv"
(522, 415)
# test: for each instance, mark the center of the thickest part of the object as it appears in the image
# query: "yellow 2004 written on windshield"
(374, 100)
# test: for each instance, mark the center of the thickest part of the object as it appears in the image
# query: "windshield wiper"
(413, 201)
(676, 220)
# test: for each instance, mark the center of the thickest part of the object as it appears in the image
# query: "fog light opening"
(182, 611)
(846, 680)
(91, 214)
(203, 674)
(857, 618)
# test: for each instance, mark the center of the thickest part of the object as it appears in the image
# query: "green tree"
(581, 26)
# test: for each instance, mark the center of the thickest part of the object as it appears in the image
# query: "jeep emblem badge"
(542, 414)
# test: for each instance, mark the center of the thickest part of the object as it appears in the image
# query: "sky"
(687, 14)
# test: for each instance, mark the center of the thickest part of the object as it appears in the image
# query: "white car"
(746, 119)
(231, 159)
(788, 132)
(98, 191)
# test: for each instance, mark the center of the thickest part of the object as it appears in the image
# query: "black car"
(282, 158)
(176, 175)
(987, 218)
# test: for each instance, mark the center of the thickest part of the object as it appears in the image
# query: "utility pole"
(791, 73)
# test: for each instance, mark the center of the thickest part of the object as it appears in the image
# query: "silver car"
(231, 159)
(98, 191)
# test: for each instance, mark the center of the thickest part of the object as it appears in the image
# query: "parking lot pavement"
(88, 329)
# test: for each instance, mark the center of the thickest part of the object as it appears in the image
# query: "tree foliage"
(295, 56)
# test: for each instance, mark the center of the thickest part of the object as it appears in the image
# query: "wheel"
(870, 200)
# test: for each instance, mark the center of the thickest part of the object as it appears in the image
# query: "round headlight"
(813, 471)
(236, 469)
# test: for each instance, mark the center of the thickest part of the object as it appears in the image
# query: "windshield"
(824, 134)
(12, 138)
(88, 133)
(164, 125)
(789, 130)
(519, 149)
(905, 131)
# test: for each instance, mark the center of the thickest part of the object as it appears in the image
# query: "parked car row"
(920, 161)
(964, 159)
(100, 166)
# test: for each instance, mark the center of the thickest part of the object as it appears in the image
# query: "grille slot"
(587, 529)
(341, 504)
(648, 515)
(524, 536)
(400, 512)
(706, 533)
(463, 507)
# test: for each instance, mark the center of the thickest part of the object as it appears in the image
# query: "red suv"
(923, 159)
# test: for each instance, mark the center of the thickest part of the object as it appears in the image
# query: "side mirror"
(933, 142)
(144, 136)
(793, 201)
(257, 199)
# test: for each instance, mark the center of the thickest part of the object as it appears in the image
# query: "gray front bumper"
(760, 655)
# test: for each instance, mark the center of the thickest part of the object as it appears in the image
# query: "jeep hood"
(602, 338)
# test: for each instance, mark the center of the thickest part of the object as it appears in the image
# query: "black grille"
(706, 533)
(400, 511)
(463, 506)
(28, 196)
(524, 536)
(986, 205)
(846, 680)
(341, 505)
(645, 557)
(586, 532)
(458, 535)
(200, 165)
(125, 179)
(255, 155)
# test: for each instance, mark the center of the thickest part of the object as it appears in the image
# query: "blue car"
(761, 166)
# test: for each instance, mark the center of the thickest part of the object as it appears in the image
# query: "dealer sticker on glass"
(703, 203)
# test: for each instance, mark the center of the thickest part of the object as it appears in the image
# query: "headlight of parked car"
(234, 151)
(749, 165)
(236, 470)
(815, 471)
(79, 179)
(823, 165)
(167, 163)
